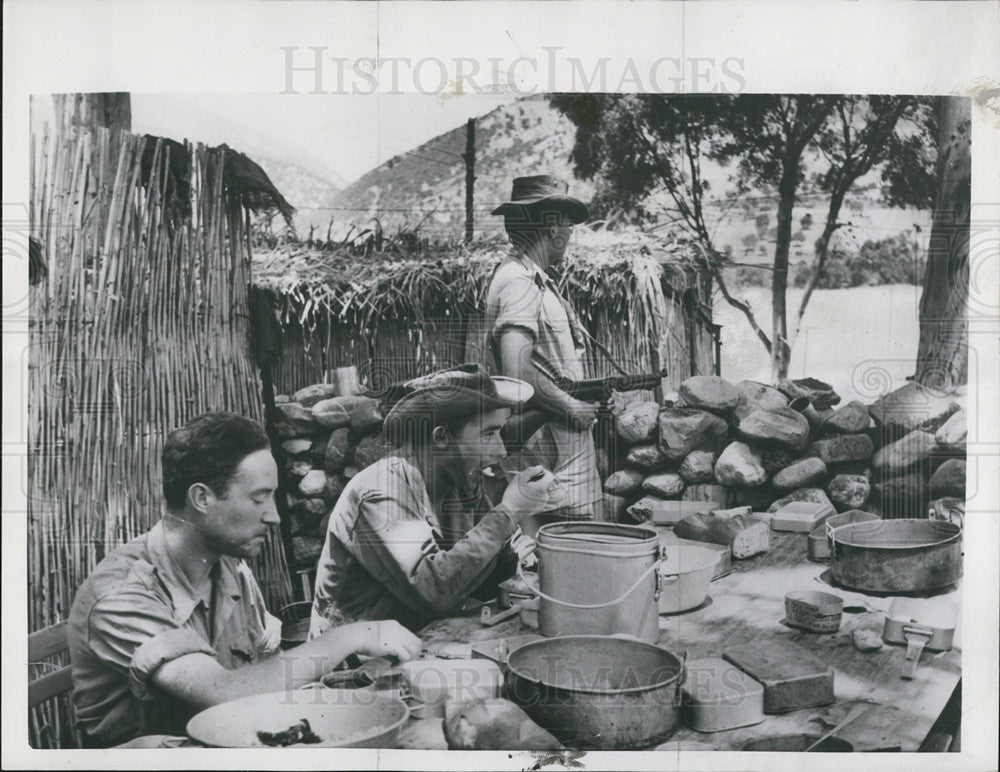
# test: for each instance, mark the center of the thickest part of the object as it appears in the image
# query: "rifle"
(521, 426)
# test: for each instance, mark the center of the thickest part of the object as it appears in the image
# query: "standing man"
(174, 622)
(414, 534)
(524, 315)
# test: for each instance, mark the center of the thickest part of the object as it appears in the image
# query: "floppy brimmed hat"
(452, 394)
(543, 192)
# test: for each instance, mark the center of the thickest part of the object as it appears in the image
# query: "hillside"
(529, 136)
(524, 137)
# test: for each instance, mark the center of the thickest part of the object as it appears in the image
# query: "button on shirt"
(390, 555)
(137, 611)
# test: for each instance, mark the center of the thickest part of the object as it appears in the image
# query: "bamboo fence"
(140, 323)
(396, 317)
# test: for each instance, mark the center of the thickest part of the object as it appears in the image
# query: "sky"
(344, 135)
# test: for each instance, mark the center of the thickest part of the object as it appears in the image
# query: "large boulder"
(667, 485)
(335, 413)
(806, 473)
(739, 465)
(862, 468)
(683, 429)
(338, 448)
(751, 396)
(848, 491)
(299, 467)
(948, 479)
(852, 418)
(317, 451)
(294, 421)
(312, 485)
(366, 416)
(311, 510)
(913, 407)
(842, 449)
(310, 395)
(776, 459)
(624, 482)
(306, 551)
(709, 392)
(370, 449)
(637, 422)
(333, 488)
(776, 426)
(758, 498)
(903, 496)
(814, 495)
(698, 466)
(297, 447)
(648, 457)
(953, 433)
(820, 395)
(903, 454)
(707, 492)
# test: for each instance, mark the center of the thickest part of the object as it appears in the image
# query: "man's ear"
(199, 496)
(439, 437)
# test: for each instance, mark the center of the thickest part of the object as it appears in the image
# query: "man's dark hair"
(207, 450)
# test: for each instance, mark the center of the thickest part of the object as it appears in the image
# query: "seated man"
(173, 621)
(414, 534)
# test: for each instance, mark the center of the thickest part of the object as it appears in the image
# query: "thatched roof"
(611, 270)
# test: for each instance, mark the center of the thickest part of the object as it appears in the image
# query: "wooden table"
(748, 605)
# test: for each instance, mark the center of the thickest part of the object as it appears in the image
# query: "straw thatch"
(139, 324)
(395, 315)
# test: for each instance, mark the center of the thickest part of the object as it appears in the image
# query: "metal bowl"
(342, 718)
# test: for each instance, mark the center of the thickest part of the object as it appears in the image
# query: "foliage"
(638, 145)
(893, 260)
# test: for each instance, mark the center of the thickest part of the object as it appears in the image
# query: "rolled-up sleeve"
(136, 634)
(518, 304)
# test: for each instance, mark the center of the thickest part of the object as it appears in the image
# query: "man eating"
(174, 622)
(415, 533)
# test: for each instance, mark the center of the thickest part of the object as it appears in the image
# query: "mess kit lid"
(802, 512)
(716, 681)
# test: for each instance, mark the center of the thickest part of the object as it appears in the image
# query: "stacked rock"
(920, 465)
(325, 440)
(752, 444)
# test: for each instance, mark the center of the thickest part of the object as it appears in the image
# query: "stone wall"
(752, 444)
(325, 440)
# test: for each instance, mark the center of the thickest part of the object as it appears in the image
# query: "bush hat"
(543, 192)
(454, 393)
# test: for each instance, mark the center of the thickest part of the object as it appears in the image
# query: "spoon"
(853, 715)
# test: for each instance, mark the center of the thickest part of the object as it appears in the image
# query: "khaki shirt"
(134, 613)
(522, 296)
(390, 555)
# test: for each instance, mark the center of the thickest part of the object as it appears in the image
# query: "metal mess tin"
(920, 623)
(719, 696)
(818, 544)
(792, 677)
(817, 612)
(896, 556)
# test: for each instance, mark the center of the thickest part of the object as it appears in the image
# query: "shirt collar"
(184, 596)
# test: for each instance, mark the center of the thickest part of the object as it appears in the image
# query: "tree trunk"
(822, 252)
(942, 353)
(780, 350)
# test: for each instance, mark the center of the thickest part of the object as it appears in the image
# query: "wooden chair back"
(49, 704)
